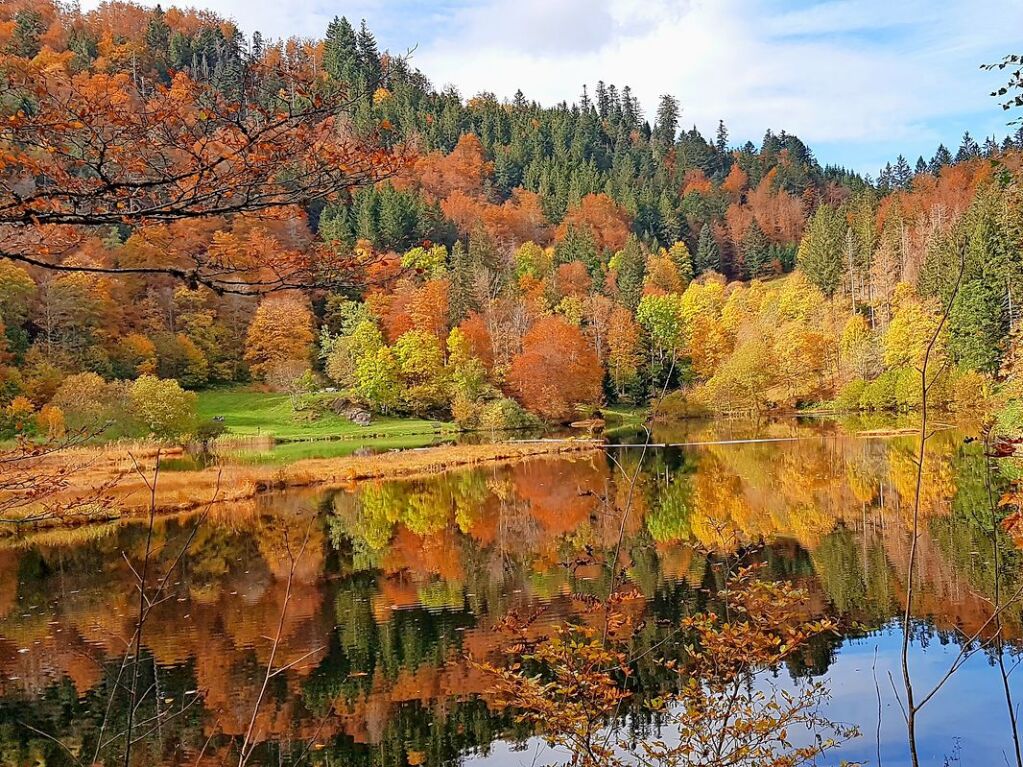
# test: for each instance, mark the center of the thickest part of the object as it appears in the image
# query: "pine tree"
(369, 57)
(756, 252)
(460, 297)
(901, 173)
(708, 258)
(578, 245)
(258, 48)
(631, 113)
(181, 55)
(340, 59)
(977, 327)
(721, 142)
(820, 254)
(28, 29)
(603, 100)
(396, 220)
(942, 157)
(158, 40)
(670, 222)
(631, 269)
(885, 180)
(366, 215)
(968, 149)
(921, 165)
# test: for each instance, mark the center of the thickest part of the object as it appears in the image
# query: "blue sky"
(860, 82)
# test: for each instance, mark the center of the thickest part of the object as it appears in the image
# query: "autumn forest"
(346, 418)
(483, 261)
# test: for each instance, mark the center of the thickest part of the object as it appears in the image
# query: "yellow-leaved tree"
(280, 334)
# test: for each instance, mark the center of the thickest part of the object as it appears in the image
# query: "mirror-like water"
(395, 583)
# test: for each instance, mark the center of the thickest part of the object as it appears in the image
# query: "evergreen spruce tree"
(460, 296)
(977, 326)
(721, 141)
(942, 157)
(368, 57)
(578, 245)
(669, 220)
(366, 215)
(630, 264)
(396, 220)
(340, 59)
(158, 41)
(181, 54)
(968, 149)
(901, 173)
(756, 252)
(28, 31)
(603, 100)
(820, 254)
(708, 258)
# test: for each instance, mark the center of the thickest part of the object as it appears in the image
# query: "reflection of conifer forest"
(403, 582)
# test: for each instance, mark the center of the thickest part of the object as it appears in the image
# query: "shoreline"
(186, 491)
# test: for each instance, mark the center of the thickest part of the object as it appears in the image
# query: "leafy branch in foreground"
(32, 484)
(86, 150)
(723, 712)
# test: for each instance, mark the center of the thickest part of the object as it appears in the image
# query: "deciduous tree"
(556, 370)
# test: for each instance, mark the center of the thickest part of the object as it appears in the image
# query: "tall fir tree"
(820, 255)
(942, 157)
(631, 270)
(756, 252)
(708, 257)
(461, 299)
(340, 58)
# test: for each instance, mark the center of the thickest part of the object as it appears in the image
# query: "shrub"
(207, 431)
(165, 409)
(17, 418)
(677, 406)
(50, 422)
(851, 395)
(971, 393)
(879, 394)
(506, 413)
(91, 404)
(907, 389)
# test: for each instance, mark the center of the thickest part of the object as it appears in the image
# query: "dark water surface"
(393, 584)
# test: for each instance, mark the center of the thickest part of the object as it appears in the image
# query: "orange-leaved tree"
(556, 370)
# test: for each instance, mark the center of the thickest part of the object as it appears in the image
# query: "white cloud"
(865, 79)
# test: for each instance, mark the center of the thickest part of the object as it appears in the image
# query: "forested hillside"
(502, 260)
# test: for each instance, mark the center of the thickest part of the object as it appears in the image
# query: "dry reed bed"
(113, 472)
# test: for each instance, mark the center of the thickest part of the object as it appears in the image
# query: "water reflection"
(400, 581)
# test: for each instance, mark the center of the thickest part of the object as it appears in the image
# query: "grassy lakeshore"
(251, 413)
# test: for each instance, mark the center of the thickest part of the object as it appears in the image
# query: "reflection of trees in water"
(402, 578)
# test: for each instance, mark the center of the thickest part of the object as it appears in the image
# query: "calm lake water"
(396, 583)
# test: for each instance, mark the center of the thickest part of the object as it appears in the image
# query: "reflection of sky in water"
(969, 714)
(966, 723)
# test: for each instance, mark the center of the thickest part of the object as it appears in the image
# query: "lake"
(391, 587)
